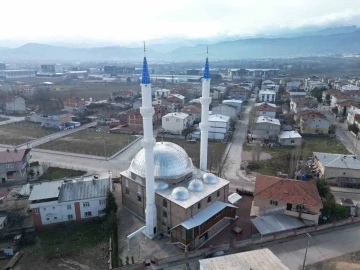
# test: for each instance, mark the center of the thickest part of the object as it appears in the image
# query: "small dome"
(161, 185)
(196, 185)
(180, 194)
(209, 178)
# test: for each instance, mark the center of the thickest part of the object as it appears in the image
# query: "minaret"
(205, 101)
(148, 143)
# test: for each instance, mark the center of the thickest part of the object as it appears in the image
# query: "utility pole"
(307, 245)
(105, 149)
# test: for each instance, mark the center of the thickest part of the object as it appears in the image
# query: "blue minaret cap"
(145, 73)
(207, 69)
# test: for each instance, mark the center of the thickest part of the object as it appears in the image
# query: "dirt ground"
(349, 261)
(247, 155)
(21, 132)
(90, 142)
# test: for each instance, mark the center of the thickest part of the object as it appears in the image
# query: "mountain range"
(328, 41)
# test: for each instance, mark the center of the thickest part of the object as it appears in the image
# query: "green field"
(279, 161)
(22, 132)
(90, 142)
(54, 173)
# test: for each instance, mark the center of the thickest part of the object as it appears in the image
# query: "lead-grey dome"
(161, 185)
(196, 185)
(209, 178)
(180, 194)
(170, 160)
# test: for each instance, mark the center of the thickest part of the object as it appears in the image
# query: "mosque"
(162, 186)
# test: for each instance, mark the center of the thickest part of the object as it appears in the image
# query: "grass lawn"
(279, 162)
(69, 239)
(54, 173)
(90, 142)
(21, 132)
(215, 151)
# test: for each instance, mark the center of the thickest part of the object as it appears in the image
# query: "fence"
(258, 239)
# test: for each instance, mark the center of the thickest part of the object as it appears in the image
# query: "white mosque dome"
(180, 194)
(161, 185)
(196, 185)
(170, 162)
(209, 178)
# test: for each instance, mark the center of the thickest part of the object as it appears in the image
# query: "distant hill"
(321, 44)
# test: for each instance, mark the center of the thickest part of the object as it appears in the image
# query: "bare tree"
(17, 217)
(256, 151)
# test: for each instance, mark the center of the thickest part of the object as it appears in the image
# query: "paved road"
(54, 136)
(322, 246)
(233, 172)
(12, 119)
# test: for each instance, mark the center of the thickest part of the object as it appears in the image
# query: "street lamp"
(307, 245)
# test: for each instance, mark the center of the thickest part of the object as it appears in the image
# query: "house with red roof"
(265, 109)
(13, 164)
(291, 197)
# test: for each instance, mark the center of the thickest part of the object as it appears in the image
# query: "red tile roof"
(348, 103)
(239, 89)
(13, 156)
(310, 112)
(265, 107)
(191, 109)
(287, 190)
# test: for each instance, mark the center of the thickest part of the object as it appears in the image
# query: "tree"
(317, 93)
(324, 190)
(344, 112)
(335, 110)
(353, 128)
(111, 205)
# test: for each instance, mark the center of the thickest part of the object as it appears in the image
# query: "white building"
(162, 93)
(273, 87)
(292, 85)
(352, 113)
(265, 84)
(62, 201)
(233, 102)
(15, 74)
(225, 109)
(219, 126)
(176, 122)
(349, 87)
(290, 138)
(266, 128)
(265, 109)
(267, 96)
(15, 105)
(261, 259)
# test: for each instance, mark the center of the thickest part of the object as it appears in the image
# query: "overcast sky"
(125, 20)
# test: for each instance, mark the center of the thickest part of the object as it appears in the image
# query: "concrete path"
(12, 119)
(233, 173)
(322, 246)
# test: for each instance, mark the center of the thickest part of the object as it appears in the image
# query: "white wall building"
(15, 74)
(15, 105)
(273, 87)
(266, 128)
(265, 84)
(176, 122)
(290, 138)
(233, 102)
(225, 109)
(267, 96)
(349, 87)
(61, 201)
(219, 126)
(162, 93)
(352, 112)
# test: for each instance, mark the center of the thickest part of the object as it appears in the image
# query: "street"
(233, 173)
(322, 246)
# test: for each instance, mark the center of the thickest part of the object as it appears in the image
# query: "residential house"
(315, 84)
(219, 92)
(353, 112)
(290, 138)
(265, 109)
(306, 112)
(343, 107)
(256, 259)
(297, 93)
(13, 164)
(51, 119)
(194, 111)
(314, 124)
(162, 93)
(239, 93)
(74, 104)
(176, 122)
(301, 104)
(299, 199)
(338, 169)
(234, 102)
(293, 85)
(266, 128)
(267, 96)
(326, 95)
(349, 87)
(265, 84)
(65, 201)
(335, 98)
(273, 87)
(177, 98)
(24, 89)
(15, 105)
(219, 126)
(225, 109)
